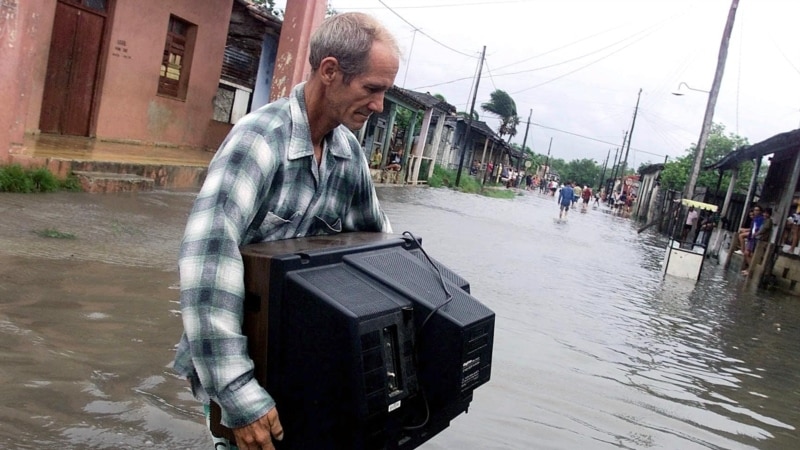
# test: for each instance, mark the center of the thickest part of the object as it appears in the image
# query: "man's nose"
(376, 104)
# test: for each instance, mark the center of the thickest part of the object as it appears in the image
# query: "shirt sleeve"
(365, 213)
(212, 276)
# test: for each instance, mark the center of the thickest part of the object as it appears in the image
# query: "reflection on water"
(593, 349)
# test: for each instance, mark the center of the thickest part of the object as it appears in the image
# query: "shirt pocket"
(325, 225)
(277, 225)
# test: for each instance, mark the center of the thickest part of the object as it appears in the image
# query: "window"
(174, 74)
(97, 5)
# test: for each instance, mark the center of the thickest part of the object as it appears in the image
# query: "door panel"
(71, 71)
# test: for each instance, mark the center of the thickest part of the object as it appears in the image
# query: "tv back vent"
(335, 330)
(455, 347)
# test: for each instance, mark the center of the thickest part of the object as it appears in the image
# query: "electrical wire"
(423, 33)
(448, 299)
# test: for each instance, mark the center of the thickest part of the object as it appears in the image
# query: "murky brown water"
(593, 349)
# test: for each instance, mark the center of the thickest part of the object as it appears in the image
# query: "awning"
(699, 205)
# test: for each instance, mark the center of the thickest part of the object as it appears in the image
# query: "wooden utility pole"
(712, 102)
(630, 133)
(524, 139)
(469, 122)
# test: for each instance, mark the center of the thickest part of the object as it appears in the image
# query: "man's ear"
(328, 69)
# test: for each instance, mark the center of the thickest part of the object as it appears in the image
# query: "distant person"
(377, 157)
(566, 196)
(395, 160)
(744, 231)
(691, 219)
(586, 196)
(756, 233)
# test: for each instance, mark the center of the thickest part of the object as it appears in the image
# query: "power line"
(584, 66)
(423, 33)
(450, 5)
(591, 138)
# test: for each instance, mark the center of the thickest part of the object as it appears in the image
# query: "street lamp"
(680, 91)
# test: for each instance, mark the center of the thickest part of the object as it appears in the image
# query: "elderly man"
(290, 169)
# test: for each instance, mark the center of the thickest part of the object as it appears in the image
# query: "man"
(289, 169)
(691, 219)
(565, 197)
(577, 194)
(586, 195)
(759, 230)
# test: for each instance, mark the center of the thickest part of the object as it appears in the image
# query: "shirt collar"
(300, 145)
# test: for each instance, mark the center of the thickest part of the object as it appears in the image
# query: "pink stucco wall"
(22, 26)
(128, 107)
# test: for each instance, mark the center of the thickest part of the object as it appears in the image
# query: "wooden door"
(71, 71)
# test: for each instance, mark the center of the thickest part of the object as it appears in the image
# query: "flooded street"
(593, 349)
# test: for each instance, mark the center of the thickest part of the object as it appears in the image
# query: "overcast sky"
(578, 66)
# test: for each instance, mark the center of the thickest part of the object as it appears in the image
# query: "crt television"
(364, 341)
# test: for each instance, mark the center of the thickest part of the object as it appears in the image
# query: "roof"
(652, 168)
(262, 15)
(427, 100)
(789, 140)
(405, 97)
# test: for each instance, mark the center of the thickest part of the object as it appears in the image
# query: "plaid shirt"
(265, 168)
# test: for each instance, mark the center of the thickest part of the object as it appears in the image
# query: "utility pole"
(619, 161)
(469, 121)
(630, 134)
(524, 139)
(712, 102)
(603, 176)
(547, 160)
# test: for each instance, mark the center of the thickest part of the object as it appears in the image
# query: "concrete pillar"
(300, 20)
(20, 29)
(419, 150)
(715, 246)
(437, 142)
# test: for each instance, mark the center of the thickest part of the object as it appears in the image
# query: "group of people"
(395, 161)
(757, 227)
(569, 195)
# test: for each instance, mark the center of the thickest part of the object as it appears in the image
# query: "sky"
(576, 67)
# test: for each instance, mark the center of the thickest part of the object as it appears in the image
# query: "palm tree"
(503, 106)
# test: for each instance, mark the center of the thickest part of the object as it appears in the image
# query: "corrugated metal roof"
(789, 140)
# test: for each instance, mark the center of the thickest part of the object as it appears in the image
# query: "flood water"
(593, 348)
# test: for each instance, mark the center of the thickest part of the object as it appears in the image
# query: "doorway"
(72, 67)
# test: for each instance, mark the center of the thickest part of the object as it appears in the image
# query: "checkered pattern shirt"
(265, 168)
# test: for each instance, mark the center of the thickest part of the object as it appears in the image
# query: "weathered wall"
(22, 27)
(130, 108)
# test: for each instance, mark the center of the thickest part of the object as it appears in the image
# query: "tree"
(503, 106)
(676, 173)
(584, 172)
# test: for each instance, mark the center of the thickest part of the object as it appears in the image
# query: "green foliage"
(447, 178)
(16, 179)
(54, 234)
(676, 173)
(44, 181)
(503, 106)
(584, 172)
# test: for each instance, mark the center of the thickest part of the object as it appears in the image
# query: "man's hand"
(258, 435)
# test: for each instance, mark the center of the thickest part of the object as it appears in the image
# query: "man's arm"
(212, 277)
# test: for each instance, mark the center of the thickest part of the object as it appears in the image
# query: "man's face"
(353, 103)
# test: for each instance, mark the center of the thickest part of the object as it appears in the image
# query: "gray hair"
(348, 37)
